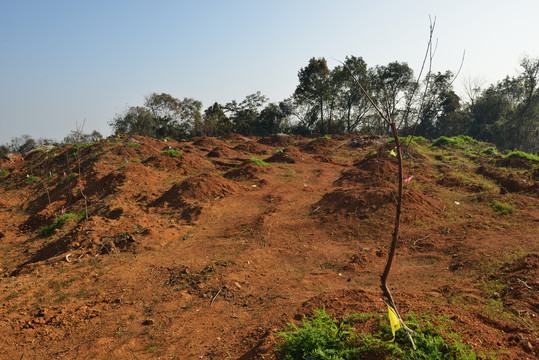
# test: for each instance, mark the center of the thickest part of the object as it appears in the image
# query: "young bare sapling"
(391, 123)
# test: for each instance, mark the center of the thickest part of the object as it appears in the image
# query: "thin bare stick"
(215, 296)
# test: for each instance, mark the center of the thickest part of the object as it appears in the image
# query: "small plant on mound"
(132, 144)
(501, 208)
(49, 229)
(458, 141)
(490, 151)
(4, 173)
(30, 179)
(523, 155)
(69, 178)
(322, 338)
(171, 153)
(259, 162)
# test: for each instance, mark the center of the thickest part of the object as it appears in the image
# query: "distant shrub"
(30, 179)
(501, 208)
(523, 155)
(259, 162)
(490, 151)
(171, 153)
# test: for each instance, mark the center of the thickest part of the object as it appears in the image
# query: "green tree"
(314, 91)
(214, 122)
(351, 103)
(244, 115)
(391, 85)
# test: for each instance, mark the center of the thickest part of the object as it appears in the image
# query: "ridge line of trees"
(326, 101)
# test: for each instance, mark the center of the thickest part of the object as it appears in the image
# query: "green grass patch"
(171, 153)
(489, 151)
(49, 229)
(4, 173)
(69, 178)
(458, 141)
(523, 155)
(259, 162)
(30, 179)
(320, 337)
(408, 139)
(83, 145)
(132, 144)
(502, 208)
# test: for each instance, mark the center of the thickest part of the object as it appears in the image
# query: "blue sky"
(63, 62)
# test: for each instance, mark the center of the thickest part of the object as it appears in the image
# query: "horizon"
(64, 63)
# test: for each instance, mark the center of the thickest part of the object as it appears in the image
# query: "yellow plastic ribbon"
(393, 321)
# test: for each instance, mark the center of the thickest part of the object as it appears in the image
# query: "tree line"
(327, 101)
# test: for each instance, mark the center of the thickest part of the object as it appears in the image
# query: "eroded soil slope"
(135, 248)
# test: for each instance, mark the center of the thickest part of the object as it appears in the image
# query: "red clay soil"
(209, 257)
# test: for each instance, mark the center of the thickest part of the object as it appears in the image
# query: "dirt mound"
(366, 141)
(248, 171)
(276, 140)
(207, 142)
(253, 147)
(510, 182)
(207, 187)
(319, 146)
(288, 155)
(515, 162)
(234, 137)
(371, 170)
(222, 152)
(184, 163)
(360, 202)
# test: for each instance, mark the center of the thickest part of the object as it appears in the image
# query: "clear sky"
(65, 61)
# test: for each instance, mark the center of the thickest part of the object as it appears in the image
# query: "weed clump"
(49, 229)
(322, 338)
(69, 178)
(171, 153)
(490, 151)
(259, 162)
(501, 208)
(30, 179)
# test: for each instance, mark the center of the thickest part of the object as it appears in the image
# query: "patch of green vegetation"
(523, 155)
(458, 141)
(49, 229)
(83, 145)
(259, 162)
(4, 173)
(39, 150)
(501, 208)
(322, 338)
(30, 179)
(171, 153)
(325, 137)
(132, 144)
(490, 151)
(54, 149)
(408, 139)
(69, 178)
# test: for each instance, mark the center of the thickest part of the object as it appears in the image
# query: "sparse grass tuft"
(69, 178)
(259, 162)
(501, 208)
(490, 151)
(30, 179)
(49, 229)
(171, 153)
(4, 173)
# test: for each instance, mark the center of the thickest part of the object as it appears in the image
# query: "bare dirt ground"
(208, 255)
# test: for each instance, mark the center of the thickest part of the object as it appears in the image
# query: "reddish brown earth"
(208, 255)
